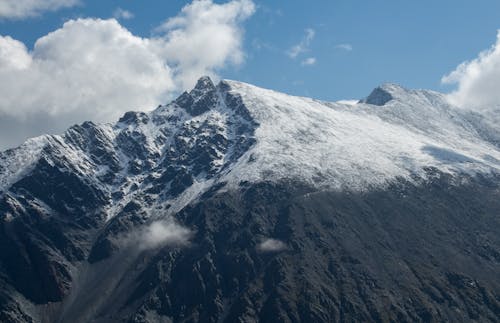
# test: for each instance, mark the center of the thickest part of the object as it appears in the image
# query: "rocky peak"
(203, 85)
(201, 99)
(135, 118)
(384, 93)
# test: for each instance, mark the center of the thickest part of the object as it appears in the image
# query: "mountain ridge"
(236, 203)
(392, 115)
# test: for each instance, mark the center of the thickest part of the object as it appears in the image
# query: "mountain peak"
(384, 93)
(202, 97)
(203, 84)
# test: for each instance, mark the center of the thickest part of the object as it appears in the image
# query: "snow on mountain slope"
(237, 132)
(394, 133)
(15, 162)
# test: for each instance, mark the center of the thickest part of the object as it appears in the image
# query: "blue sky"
(96, 68)
(413, 43)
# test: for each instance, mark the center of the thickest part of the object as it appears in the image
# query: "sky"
(66, 61)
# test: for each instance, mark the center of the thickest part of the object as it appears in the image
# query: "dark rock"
(379, 96)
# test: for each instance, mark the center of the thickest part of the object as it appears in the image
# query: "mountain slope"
(236, 203)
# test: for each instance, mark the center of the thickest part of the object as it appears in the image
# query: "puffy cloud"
(94, 69)
(309, 61)
(15, 9)
(303, 45)
(13, 54)
(271, 245)
(477, 79)
(89, 69)
(204, 37)
(165, 233)
(120, 13)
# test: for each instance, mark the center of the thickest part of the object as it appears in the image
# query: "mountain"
(239, 204)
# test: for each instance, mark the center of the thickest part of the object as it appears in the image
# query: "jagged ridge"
(237, 164)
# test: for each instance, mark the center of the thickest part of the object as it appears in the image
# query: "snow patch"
(15, 163)
(348, 102)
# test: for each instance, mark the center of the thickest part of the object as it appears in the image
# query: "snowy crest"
(225, 134)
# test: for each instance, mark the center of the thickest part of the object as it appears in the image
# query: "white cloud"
(271, 245)
(259, 44)
(16, 9)
(93, 69)
(477, 79)
(346, 47)
(89, 69)
(120, 13)
(204, 37)
(165, 233)
(303, 45)
(309, 61)
(13, 54)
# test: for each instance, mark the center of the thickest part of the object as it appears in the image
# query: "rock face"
(379, 96)
(239, 204)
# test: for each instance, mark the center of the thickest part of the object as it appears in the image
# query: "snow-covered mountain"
(237, 132)
(209, 181)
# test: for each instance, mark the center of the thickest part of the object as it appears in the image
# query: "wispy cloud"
(259, 44)
(308, 61)
(120, 13)
(303, 45)
(18, 9)
(346, 47)
(272, 14)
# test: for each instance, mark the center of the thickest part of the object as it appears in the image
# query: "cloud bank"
(477, 80)
(95, 69)
(18, 9)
